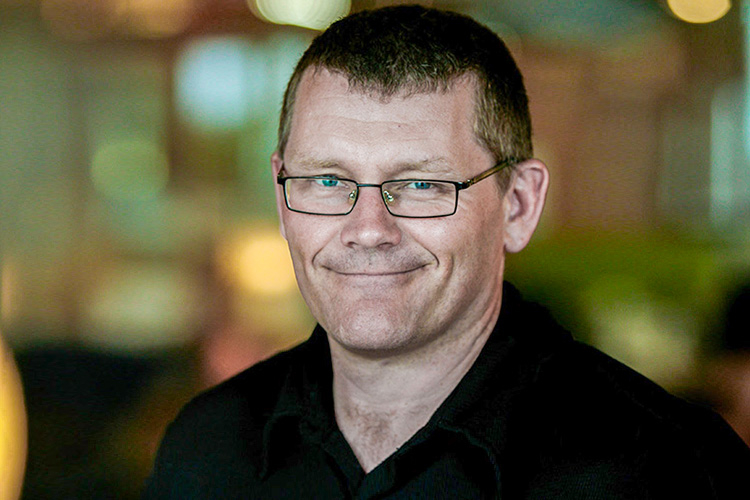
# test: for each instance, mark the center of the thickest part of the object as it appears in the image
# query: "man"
(404, 176)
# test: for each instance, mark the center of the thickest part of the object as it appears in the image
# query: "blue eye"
(328, 182)
(420, 185)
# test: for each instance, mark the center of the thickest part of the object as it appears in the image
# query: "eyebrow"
(313, 164)
(429, 166)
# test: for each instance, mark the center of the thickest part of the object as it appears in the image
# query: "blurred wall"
(139, 256)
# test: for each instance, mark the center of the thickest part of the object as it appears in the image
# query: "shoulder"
(590, 381)
(252, 391)
(221, 429)
(576, 387)
(594, 413)
(238, 404)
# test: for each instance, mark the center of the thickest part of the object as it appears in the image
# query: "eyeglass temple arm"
(470, 182)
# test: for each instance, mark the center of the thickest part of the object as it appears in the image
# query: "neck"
(381, 402)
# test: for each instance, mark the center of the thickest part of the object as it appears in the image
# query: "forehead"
(332, 118)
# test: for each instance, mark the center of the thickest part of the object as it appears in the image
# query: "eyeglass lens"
(408, 198)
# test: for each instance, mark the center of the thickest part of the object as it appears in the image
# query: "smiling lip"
(373, 281)
(372, 266)
(374, 274)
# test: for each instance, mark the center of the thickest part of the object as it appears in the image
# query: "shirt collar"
(484, 402)
(478, 408)
(306, 395)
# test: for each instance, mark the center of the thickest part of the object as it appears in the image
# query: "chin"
(374, 335)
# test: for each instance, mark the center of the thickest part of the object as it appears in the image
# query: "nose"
(370, 225)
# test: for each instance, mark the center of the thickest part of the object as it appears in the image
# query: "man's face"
(378, 283)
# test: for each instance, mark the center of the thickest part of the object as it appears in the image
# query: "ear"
(525, 200)
(276, 164)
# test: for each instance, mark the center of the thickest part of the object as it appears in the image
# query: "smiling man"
(405, 291)
(404, 177)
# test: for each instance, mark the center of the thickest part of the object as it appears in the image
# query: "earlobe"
(276, 165)
(525, 201)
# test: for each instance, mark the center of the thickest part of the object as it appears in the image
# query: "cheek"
(306, 236)
(476, 246)
(303, 246)
(451, 240)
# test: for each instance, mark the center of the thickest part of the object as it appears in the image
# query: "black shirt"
(537, 416)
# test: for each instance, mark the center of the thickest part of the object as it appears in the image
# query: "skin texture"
(407, 303)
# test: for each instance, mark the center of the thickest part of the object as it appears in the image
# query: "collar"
(482, 406)
(305, 400)
(479, 408)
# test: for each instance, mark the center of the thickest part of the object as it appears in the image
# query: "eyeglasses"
(413, 198)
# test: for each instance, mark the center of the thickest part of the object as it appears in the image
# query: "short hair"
(413, 49)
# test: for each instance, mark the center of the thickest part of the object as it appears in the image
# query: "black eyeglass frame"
(459, 185)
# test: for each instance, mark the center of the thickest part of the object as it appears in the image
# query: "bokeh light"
(259, 263)
(641, 329)
(154, 18)
(313, 14)
(220, 82)
(89, 19)
(141, 306)
(12, 428)
(130, 169)
(699, 11)
(223, 83)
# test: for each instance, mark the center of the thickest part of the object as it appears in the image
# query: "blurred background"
(140, 261)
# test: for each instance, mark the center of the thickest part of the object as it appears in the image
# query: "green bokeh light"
(130, 169)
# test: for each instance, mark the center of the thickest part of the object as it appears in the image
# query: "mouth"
(373, 277)
(375, 274)
(374, 269)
